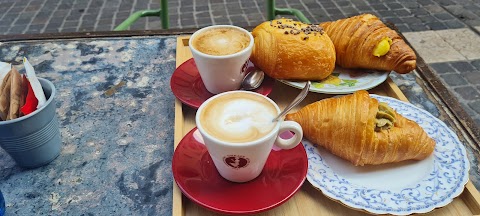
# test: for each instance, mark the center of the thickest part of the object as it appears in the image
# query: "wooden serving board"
(308, 200)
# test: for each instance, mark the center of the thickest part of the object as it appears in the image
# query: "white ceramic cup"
(242, 162)
(221, 73)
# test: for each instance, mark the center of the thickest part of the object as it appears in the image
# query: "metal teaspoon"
(295, 101)
(253, 80)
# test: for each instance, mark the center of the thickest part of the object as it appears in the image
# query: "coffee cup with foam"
(239, 132)
(220, 53)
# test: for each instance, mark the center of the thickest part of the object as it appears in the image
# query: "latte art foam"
(238, 117)
(221, 41)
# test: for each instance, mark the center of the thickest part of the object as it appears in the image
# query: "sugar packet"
(36, 86)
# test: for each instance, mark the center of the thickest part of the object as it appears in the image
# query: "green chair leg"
(162, 13)
(164, 16)
(273, 11)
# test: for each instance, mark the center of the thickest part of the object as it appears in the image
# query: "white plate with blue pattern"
(398, 188)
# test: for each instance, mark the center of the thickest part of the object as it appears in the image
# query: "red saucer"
(188, 87)
(199, 180)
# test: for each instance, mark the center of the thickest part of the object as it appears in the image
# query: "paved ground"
(444, 32)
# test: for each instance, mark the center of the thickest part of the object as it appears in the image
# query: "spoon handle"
(295, 101)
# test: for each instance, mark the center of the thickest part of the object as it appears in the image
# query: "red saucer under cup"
(188, 87)
(198, 179)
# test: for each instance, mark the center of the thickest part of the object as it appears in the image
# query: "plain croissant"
(363, 131)
(364, 41)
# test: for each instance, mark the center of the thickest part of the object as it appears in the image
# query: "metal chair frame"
(272, 12)
(162, 13)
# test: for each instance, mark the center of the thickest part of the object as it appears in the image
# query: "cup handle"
(293, 141)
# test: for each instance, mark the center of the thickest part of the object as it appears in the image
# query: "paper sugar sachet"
(19, 95)
(35, 84)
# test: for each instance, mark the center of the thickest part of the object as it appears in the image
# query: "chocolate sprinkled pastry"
(293, 50)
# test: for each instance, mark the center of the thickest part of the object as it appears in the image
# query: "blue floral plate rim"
(445, 181)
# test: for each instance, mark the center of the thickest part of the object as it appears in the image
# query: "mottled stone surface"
(414, 92)
(116, 112)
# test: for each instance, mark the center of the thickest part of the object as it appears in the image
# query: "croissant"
(363, 131)
(364, 41)
(287, 49)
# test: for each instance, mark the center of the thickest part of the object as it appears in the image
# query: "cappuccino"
(237, 129)
(221, 41)
(238, 117)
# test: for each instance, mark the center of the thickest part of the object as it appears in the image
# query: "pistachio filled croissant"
(363, 131)
(364, 41)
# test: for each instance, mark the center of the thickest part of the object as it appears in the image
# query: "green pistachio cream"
(385, 117)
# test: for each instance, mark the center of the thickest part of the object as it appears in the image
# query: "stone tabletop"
(116, 112)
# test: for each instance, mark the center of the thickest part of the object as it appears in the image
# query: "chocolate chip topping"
(295, 29)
